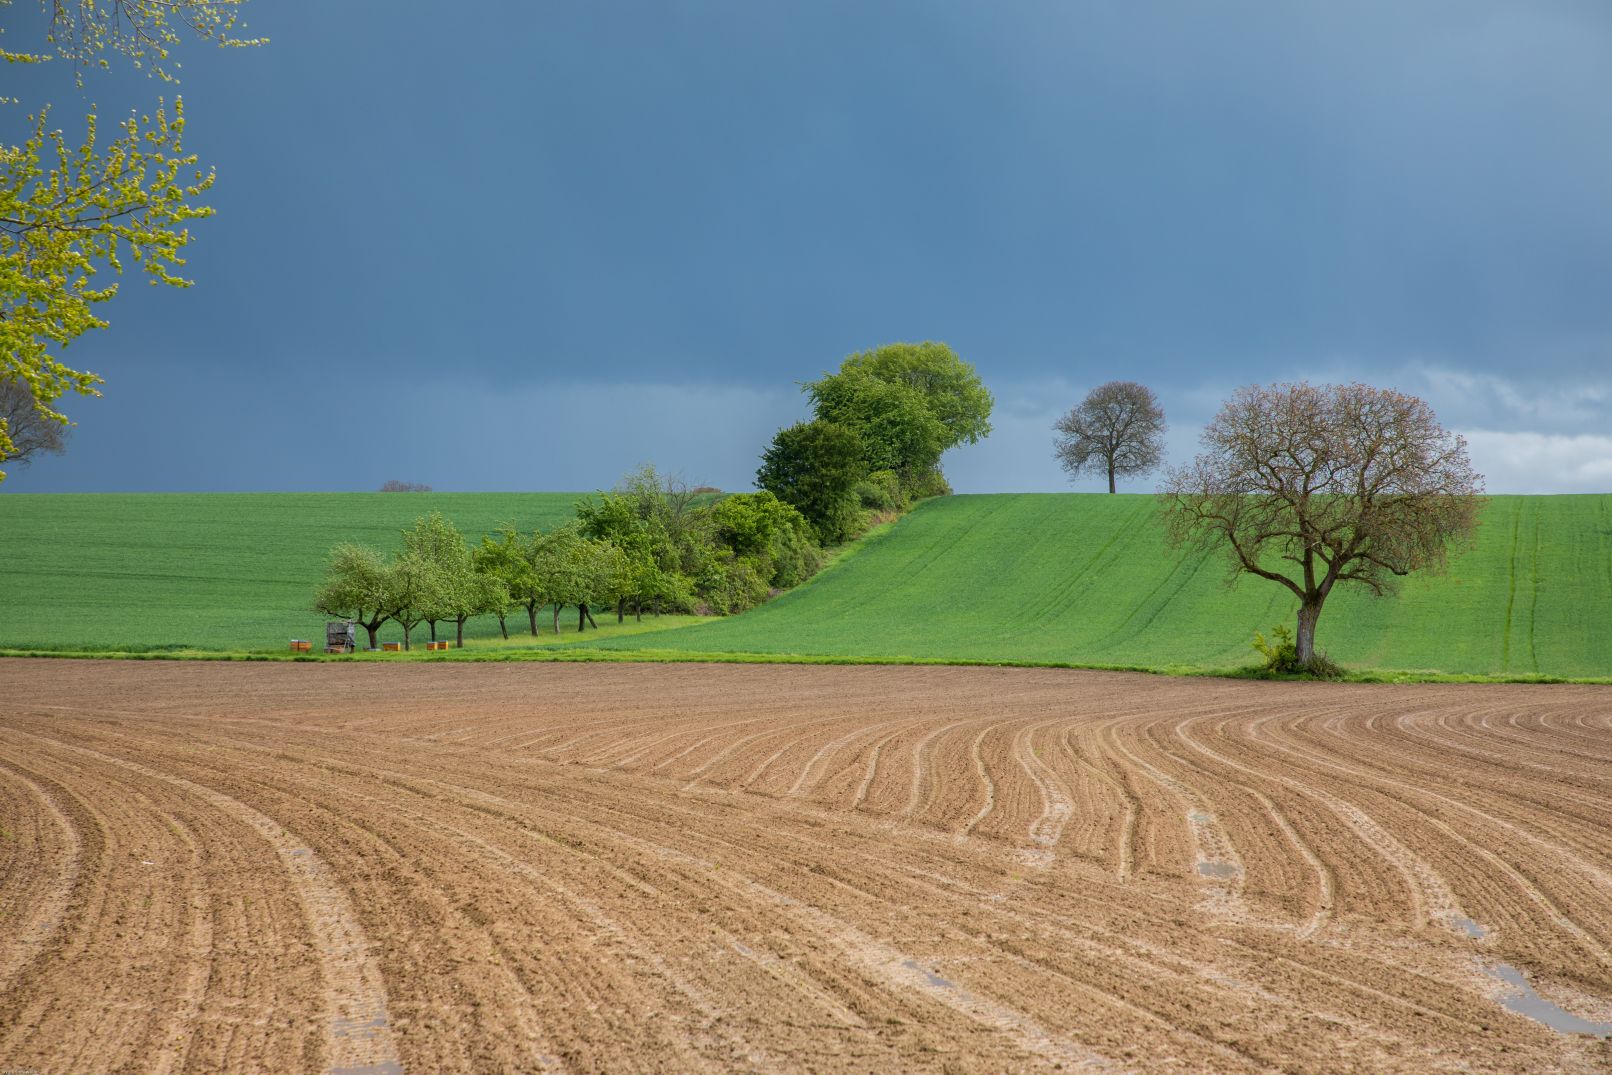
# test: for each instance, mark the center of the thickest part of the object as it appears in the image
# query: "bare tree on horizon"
(1118, 429)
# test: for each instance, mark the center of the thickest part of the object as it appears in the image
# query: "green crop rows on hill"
(1067, 578)
(1086, 579)
(226, 571)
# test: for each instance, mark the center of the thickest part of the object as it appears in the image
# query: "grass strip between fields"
(584, 655)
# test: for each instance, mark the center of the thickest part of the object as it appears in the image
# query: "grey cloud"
(1529, 462)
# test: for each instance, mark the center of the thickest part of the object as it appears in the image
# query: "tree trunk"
(459, 633)
(1111, 477)
(433, 624)
(531, 614)
(557, 607)
(373, 644)
(405, 636)
(621, 609)
(503, 630)
(589, 614)
(1304, 644)
(583, 613)
(638, 611)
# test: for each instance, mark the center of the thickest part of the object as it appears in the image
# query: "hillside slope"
(209, 570)
(1085, 578)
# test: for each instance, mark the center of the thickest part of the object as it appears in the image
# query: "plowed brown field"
(525, 867)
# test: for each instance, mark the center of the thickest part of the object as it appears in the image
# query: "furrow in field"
(1059, 946)
(590, 868)
(357, 1033)
(40, 860)
(173, 904)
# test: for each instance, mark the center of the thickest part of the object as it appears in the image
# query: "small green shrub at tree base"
(1281, 655)
(1322, 667)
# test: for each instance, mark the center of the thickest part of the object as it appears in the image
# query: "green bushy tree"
(605, 575)
(814, 467)
(772, 533)
(559, 569)
(357, 587)
(892, 420)
(659, 589)
(955, 395)
(733, 583)
(508, 559)
(440, 545)
(412, 592)
(908, 403)
(653, 514)
(494, 600)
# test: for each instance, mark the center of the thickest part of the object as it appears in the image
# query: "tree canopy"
(649, 543)
(1313, 487)
(775, 536)
(509, 560)
(814, 467)
(70, 210)
(145, 32)
(682, 549)
(953, 391)
(907, 403)
(893, 421)
(456, 590)
(358, 586)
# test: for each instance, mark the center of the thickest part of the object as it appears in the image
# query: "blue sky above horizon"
(533, 249)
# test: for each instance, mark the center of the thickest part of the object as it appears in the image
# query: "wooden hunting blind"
(341, 636)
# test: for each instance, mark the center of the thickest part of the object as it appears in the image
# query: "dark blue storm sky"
(530, 245)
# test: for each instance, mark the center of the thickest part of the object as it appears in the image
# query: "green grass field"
(221, 571)
(1061, 578)
(1086, 579)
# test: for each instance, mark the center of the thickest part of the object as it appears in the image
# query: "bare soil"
(586, 868)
